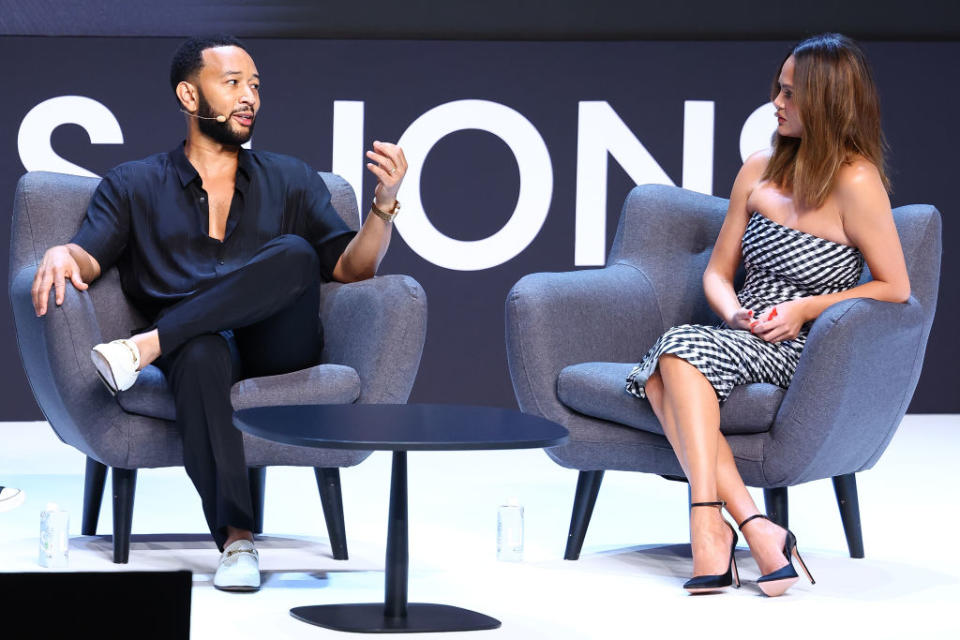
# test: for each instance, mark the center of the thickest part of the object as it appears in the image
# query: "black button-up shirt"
(151, 218)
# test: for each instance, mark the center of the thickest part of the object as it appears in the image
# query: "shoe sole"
(774, 588)
(734, 575)
(237, 589)
(104, 372)
(707, 590)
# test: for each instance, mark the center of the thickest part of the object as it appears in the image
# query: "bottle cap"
(513, 501)
(51, 506)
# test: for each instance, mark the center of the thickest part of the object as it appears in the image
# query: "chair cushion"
(322, 384)
(597, 389)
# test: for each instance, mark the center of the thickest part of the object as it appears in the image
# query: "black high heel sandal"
(708, 583)
(777, 582)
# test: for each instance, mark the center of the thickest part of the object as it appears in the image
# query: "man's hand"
(389, 166)
(362, 256)
(58, 266)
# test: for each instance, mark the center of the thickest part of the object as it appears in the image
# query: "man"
(223, 249)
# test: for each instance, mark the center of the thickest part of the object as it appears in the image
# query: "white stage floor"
(627, 583)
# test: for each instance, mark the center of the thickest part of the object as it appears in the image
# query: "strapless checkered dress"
(781, 264)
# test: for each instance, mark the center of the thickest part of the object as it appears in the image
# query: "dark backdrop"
(470, 180)
(488, 19)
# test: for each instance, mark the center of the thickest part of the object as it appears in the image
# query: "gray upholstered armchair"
(572, 338)
(374, 332)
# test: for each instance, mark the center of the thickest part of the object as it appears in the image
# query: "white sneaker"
(117, 363)
(239, 568)
(10, 498)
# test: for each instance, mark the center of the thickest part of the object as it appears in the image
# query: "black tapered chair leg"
(588, 486)
(331, 498)
(258, 484)
(124, 488)
(845, 487)
(94, 481)
(775, 502)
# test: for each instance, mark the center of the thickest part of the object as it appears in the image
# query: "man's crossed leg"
(228, 330)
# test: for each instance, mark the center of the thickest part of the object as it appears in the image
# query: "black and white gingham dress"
(781, 264)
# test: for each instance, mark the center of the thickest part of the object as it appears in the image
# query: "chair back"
(48, 210)
(920, 230)
(668, 233)
(919, 227)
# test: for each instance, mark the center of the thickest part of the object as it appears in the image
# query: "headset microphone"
(221, 118)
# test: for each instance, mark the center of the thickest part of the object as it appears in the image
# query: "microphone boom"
(221, 118)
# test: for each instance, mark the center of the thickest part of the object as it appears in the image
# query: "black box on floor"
(120, 604)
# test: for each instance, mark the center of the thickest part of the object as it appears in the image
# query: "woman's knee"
(674, 368)
(654, 390)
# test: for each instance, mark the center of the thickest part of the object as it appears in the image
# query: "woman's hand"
(741, 319)
(780, 322)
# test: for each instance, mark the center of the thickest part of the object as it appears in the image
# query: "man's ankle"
(149, 346)
(234, 535)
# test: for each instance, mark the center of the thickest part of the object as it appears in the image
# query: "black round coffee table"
(399, 428)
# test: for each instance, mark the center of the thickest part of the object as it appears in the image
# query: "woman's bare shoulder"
(858, 177)
(860, 192)
(751, 173)
(757, 161)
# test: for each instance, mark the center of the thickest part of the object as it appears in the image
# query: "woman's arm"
(725, 258)
(868, 223)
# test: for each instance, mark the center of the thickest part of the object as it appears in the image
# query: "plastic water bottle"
(510, 531)
(54, 536)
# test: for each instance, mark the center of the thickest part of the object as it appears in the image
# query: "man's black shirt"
(151, 218)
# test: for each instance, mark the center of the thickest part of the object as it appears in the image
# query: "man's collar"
(188, 173)
(244, 167)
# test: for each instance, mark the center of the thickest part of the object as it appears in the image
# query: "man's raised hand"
(389, 165)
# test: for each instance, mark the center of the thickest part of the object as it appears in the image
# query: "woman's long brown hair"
(840, 114)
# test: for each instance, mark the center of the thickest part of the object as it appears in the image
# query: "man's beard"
(220, 131)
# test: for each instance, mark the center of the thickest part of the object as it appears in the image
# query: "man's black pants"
(261, 319)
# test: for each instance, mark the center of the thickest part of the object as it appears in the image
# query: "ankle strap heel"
(776, 582)
(718, 503)
(754, 516)
(709, 583)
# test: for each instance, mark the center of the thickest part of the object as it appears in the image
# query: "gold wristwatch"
(386, 216)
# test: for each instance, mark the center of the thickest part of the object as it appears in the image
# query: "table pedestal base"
(372, 618)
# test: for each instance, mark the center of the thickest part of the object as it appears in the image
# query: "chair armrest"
(378, 327)
(557, 319)
(55, 351)
(852, 387)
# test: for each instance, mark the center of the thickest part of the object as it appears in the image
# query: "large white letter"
(698, 146)
(533, 202)
(33, 140)
(348, 158)
(601, 131)
(758, 130)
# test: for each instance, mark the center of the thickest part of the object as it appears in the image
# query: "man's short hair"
(188, 58)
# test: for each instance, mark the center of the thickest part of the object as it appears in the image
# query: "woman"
(803, 217)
